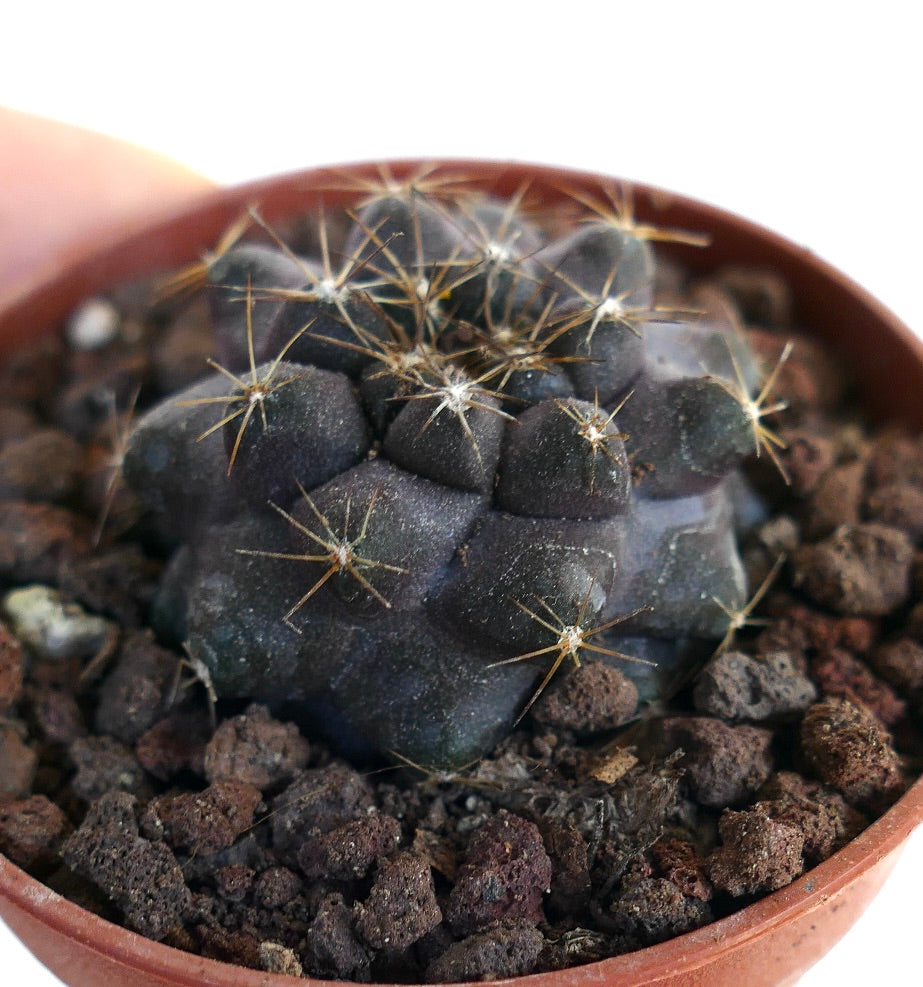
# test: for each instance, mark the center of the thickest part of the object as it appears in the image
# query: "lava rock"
(509, 948)
(18, 762)
(654, 909)
(142, 878)
(860, 569)
(31, 833)
(401, 906)
(757, 853)
(846, 747)
(723, 764)
(256, 749)
(202, 822)
(505, 875)
(737, 686)
(350, 850)
(589, 699)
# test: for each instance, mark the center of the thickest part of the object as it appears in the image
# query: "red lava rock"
(30, 373)
(402, 906)
(230, 946)
(588, 699)
(860, 569)
(900, 505)
(784, 633)
(736, 686)
(570, 870)
(837, 673)
(758, 853)
(118, 582)
(255, 748)
(56, 714)
(680, 863)
(331, 945)
(16, 421)
(276, 886)
(654, 909)
(104, 764)
(857, 634)
(810, 628)
(846, 747)
(11, 663)
(896, 458)
(174, 744)
(506, 949)
(900, 662)
(723, 765)
(35, 539)
(31, 833)
(763, 297)
(17, 762)
(133, 694)
(811, 377)
(914, 623)
(234, 881)
(318, 800)
(807, 458)
(142, 878)
(350, 850)
(47, 464)
(203, 822)
(505, 874)
(820, 814)
(836, 499)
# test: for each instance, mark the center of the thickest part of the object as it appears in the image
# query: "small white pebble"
(92, 325)
(51, 626)
(276, 958)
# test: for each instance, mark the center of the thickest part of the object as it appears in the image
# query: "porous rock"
(737, 686)
(255, 748)
(505, 875)
(401, 906)
(860, 569)
(141, 877)
(846, 747)
(508, 948)
(757, 853)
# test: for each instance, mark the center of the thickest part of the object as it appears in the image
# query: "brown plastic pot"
(771, 942)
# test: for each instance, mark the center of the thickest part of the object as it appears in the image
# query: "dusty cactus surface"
(445, 448)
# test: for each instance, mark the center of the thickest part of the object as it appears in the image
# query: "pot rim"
(185, 232)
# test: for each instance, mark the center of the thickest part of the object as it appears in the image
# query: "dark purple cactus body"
(462, 443)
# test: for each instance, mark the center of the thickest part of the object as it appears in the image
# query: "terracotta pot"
(771, 942)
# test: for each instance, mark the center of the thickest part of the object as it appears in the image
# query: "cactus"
(443, 456)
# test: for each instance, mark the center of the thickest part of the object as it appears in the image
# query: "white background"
(804, 117)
